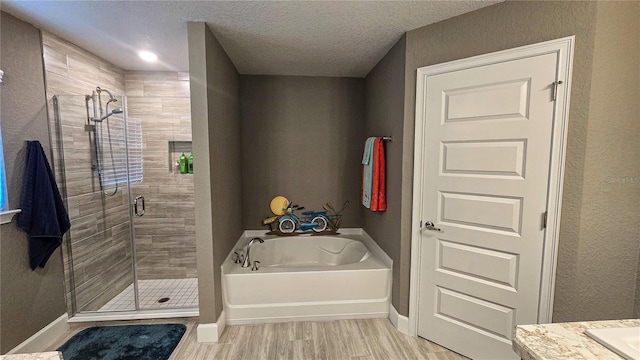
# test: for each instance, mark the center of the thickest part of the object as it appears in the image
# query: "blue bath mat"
(128, 342)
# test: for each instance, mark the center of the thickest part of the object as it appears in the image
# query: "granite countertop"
(51, 355)
(565, 340)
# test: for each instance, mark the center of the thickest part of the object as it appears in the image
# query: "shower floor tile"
(182, 293)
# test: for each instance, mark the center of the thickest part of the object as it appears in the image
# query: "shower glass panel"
(91, 159)
(131, 246)
(165, 246)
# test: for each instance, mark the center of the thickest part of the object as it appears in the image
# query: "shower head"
(111, 97)
(112, 112)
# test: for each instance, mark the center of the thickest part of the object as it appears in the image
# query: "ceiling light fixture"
(148, 56)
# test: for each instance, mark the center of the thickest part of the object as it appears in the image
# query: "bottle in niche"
(183, 164)
(190, 163)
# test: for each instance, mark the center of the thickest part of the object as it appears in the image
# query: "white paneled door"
(486, 158)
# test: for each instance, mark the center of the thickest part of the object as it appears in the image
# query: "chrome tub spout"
(247, 260)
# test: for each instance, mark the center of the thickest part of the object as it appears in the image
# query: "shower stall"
(130, 252)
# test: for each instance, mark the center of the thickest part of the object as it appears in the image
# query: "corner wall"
(30, 300)
(215, 114)
(384, 114)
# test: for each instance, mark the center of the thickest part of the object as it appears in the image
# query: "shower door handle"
(135, 206)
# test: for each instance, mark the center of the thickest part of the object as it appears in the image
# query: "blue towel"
(367, 181)
(43, 215)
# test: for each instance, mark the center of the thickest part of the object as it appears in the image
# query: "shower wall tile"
(144, 106)
(134, 87)
(57, 61)
(177, 107)
(84, 68)
(180, 209)
(155, 145)
(109, 68)
(63, 85)
(79, 182)
(154, 76)
(185, 123)
(100, 225)
(154, 210)
(144, 242)
(165, 235)
(160, 227)
(84, 227)
(120, 278)
(81, 140)
(166, 89)
(157, 128)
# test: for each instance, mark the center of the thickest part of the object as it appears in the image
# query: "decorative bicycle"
(310, 220)
(288, 222)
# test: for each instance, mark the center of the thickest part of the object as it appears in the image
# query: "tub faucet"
(247, 260)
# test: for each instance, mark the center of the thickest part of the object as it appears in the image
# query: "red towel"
(378, 198)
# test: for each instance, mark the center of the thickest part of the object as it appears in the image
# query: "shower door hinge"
(555, 89)
(544, 219)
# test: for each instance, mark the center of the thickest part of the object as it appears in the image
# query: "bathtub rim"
(367, 240)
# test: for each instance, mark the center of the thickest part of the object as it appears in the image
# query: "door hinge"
(420, 224)
(555, 88)
(544, 219)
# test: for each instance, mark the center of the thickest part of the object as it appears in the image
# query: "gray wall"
(302, 137)
(217, 146)
(384, 114)
(636, 306)
(604, 262)
(30, 299)
(579, 294)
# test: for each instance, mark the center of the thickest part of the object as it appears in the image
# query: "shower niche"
(132, 237)
(176, 149)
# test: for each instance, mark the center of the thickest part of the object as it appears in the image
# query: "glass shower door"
(92, 169)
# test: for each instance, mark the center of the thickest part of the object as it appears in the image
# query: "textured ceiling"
(314, 38)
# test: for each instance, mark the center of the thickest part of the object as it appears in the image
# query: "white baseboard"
(43, 339)
(221, 323)
(272, 320)
(400, 322)
(212, 332)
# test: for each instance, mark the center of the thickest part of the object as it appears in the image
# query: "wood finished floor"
(366, 339)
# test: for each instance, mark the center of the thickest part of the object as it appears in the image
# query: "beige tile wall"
(100, 230)
(100, 225)
(165, 235)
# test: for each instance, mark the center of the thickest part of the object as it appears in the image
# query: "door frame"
(564, 47)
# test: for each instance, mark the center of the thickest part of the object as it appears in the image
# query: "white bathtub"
(307, 278)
